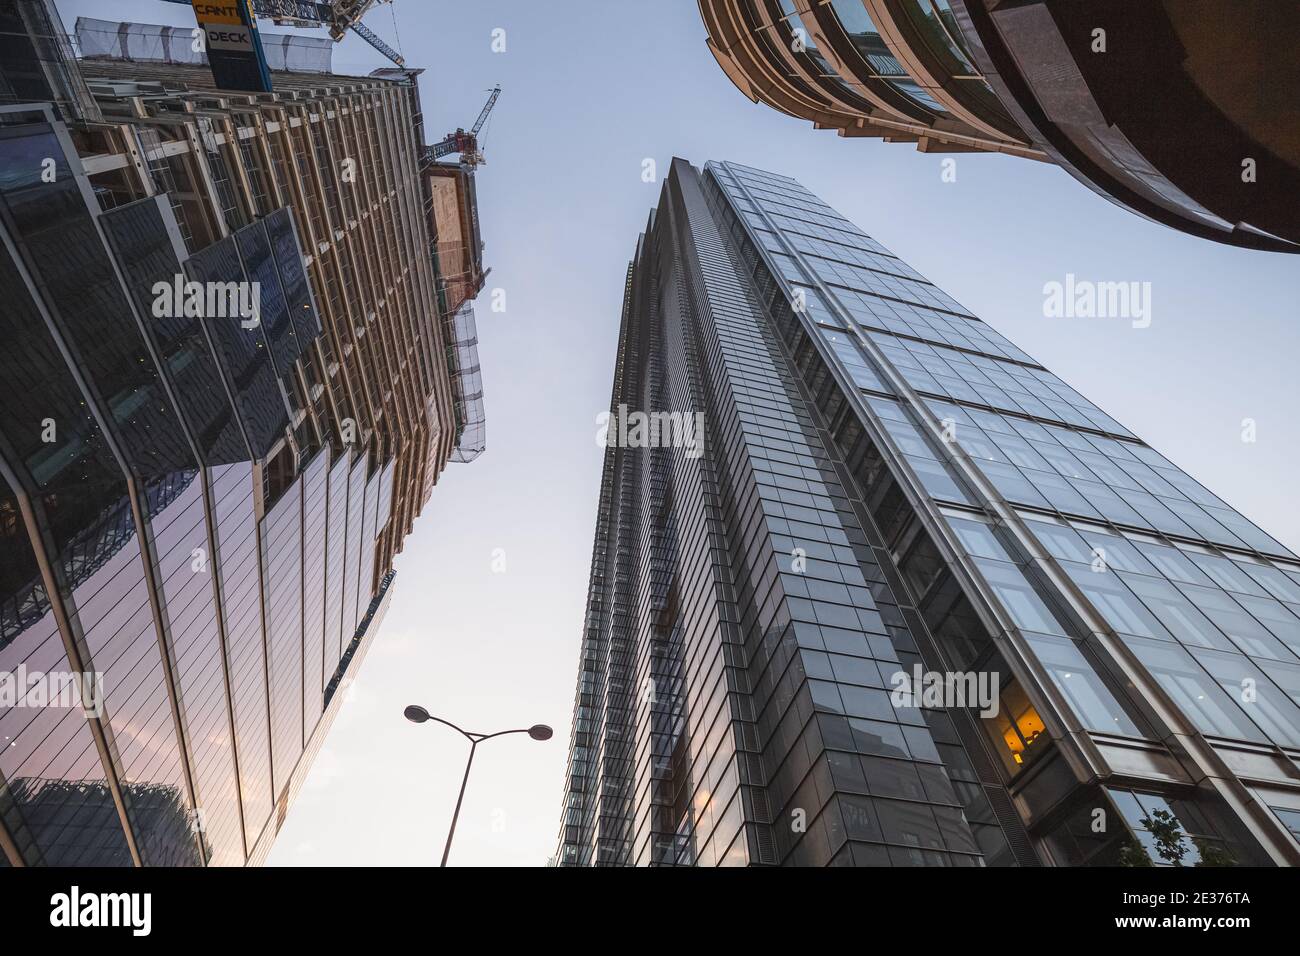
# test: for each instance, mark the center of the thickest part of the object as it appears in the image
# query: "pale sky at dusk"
(591, 88)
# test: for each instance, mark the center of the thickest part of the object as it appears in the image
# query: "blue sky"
(592, 88)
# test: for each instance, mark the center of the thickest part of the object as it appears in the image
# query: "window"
(978, 539)
(1173, 564)
(1278, 619)
(1073, 674)
(1061, 542)
(1062, 495)
(1018, 597)
(1168, 831)
(1210, 708)
(977, 445)
(937, 481)
(1290, 819)
(1267, 705)
(1018, 725)
(1278, 584)
(1012, 485)
(1246, 632)
(1226, 574)
(1177, 613)
(1117, 604)
(1117, 553)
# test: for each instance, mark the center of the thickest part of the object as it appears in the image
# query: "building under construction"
(203, 506)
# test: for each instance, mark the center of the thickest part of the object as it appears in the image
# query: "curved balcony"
(896, 69)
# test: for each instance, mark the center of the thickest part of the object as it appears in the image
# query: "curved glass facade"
(866, 39)
(1025, 79)
(907, 78)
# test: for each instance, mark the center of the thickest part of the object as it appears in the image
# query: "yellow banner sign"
(217, 11)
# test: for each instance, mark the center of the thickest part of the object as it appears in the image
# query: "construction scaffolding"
(156, 43)
(461, 335)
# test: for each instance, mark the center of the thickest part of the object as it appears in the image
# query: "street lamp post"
(418, 715)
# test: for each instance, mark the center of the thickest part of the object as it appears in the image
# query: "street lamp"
(418, 715)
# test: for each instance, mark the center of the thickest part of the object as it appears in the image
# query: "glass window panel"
(1277, 583)
(1226, 574)
(1022, 602)
(978, 539)
(1176, 612)
(1109, 503)
(1286, 676)
(1063, 461)
(1117, 604)
(1118, 553)
(1061, 494)
(1013, 485)
(1104, 469)
(1291, 818)
(1074, 676)
(1174, 564)
(1021, 452)
(1267, 705)
(1187, 485)
(937, 481)
(1210, 708)
(1205, 526)
(1280, 620)
(1227, 614)
(1246, 531)
(977, 445)
(1062, 542)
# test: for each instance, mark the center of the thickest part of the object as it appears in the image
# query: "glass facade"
(902, 70)
(970, 75)
(891, 492)
(189, 559)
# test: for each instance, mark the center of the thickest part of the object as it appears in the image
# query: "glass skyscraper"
(913, 600)
(200, 506)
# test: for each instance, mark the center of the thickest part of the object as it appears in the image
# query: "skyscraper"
(233, 375)
(1134, 100)
(870, 586)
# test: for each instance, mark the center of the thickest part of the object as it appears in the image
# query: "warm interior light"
(1019, 733)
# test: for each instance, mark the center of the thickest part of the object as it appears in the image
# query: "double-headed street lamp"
(418, 715)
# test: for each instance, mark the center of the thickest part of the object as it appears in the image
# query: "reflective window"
(1265, 703)
(879, 58)
(1169, 832)
(1211, 709)
(978, 539)
(1072, 673)
(1021, 601)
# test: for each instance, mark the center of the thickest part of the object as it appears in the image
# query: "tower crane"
(465, 143)
(338, 16)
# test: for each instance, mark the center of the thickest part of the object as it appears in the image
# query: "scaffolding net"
(466, 384)
(156, 43)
